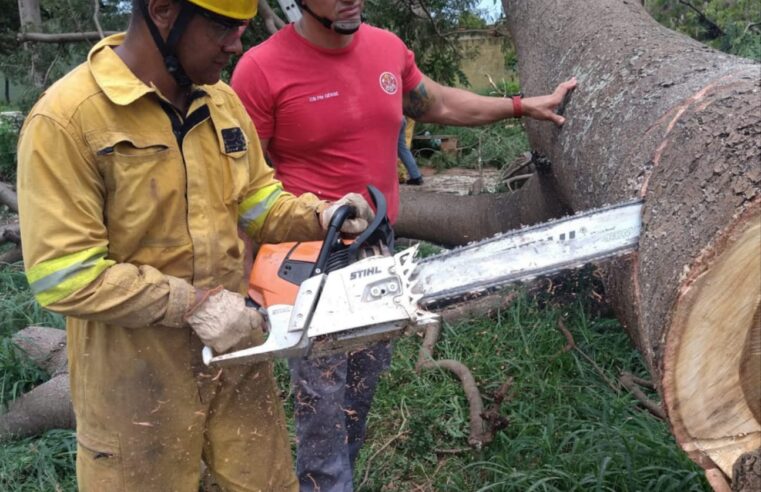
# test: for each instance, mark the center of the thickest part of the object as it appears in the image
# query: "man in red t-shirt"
(326, 95)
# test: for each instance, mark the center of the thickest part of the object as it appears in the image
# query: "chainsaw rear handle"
(331, 237)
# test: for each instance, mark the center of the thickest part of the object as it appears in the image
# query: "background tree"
(730, 26)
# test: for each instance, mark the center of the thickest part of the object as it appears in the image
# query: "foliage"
(9, 23)
(37, 65)
(8, 139)
(18, 309)
(730, 26)
(427, 29)
(46, 463)
(496, 145)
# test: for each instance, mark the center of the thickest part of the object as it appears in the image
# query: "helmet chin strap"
(331, 24)
(167, 48)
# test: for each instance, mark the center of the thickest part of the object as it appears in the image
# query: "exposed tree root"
(630, 382)
(483, 425)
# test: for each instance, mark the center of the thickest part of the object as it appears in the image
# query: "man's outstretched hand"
(545, 107)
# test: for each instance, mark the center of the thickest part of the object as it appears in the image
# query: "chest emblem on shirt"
(234, 140)
(388, 83)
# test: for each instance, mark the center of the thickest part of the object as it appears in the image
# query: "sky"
(492, 7)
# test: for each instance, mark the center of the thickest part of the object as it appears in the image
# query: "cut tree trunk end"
(712, 365)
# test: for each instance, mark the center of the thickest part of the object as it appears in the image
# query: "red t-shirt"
(332, 116)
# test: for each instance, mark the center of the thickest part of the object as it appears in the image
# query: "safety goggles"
(222, 29)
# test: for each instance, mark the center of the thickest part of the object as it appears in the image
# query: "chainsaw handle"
(378, 230)
(331, 237)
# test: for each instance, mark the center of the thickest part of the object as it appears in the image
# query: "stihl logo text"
(364, 273)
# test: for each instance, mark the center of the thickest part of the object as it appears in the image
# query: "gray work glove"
(222, 320)
(365, 214)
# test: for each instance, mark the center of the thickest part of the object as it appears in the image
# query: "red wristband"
(517, 107)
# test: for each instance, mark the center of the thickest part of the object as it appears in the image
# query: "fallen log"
(8, 196)
(473, 217)
(659, 117)
(47, 406)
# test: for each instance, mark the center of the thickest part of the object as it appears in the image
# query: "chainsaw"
(339, 295)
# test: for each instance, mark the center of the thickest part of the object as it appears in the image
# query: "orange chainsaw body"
(279, 270)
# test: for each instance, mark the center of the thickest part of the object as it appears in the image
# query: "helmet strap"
(168, 47)
(328, 23)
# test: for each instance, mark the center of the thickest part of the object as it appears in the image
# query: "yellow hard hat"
(234, 9)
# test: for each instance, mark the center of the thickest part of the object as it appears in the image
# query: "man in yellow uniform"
(135, 172)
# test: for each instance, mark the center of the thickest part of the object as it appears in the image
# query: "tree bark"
(473, 217)
(31, 21)
(661, 117)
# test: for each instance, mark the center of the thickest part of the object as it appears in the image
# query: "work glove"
(222, 320)
(364, 214)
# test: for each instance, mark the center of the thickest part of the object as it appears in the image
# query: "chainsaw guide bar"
(530, 252)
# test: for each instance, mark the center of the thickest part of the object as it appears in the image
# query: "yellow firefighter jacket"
(124, 204)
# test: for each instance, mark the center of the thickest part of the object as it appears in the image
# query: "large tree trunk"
(664, 118)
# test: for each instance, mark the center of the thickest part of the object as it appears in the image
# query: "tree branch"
(96, 17)
(713, 29)
(65, 37)
(628, 381)
(490, 31)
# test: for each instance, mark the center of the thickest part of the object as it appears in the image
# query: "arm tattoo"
(417, 102)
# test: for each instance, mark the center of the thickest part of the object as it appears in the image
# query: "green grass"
(45, 463)
(568, 428)
(39, 464)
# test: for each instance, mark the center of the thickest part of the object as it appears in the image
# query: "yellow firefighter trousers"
(148, 412)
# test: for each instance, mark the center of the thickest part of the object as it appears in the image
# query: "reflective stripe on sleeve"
(253, 210)
(55, 279)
